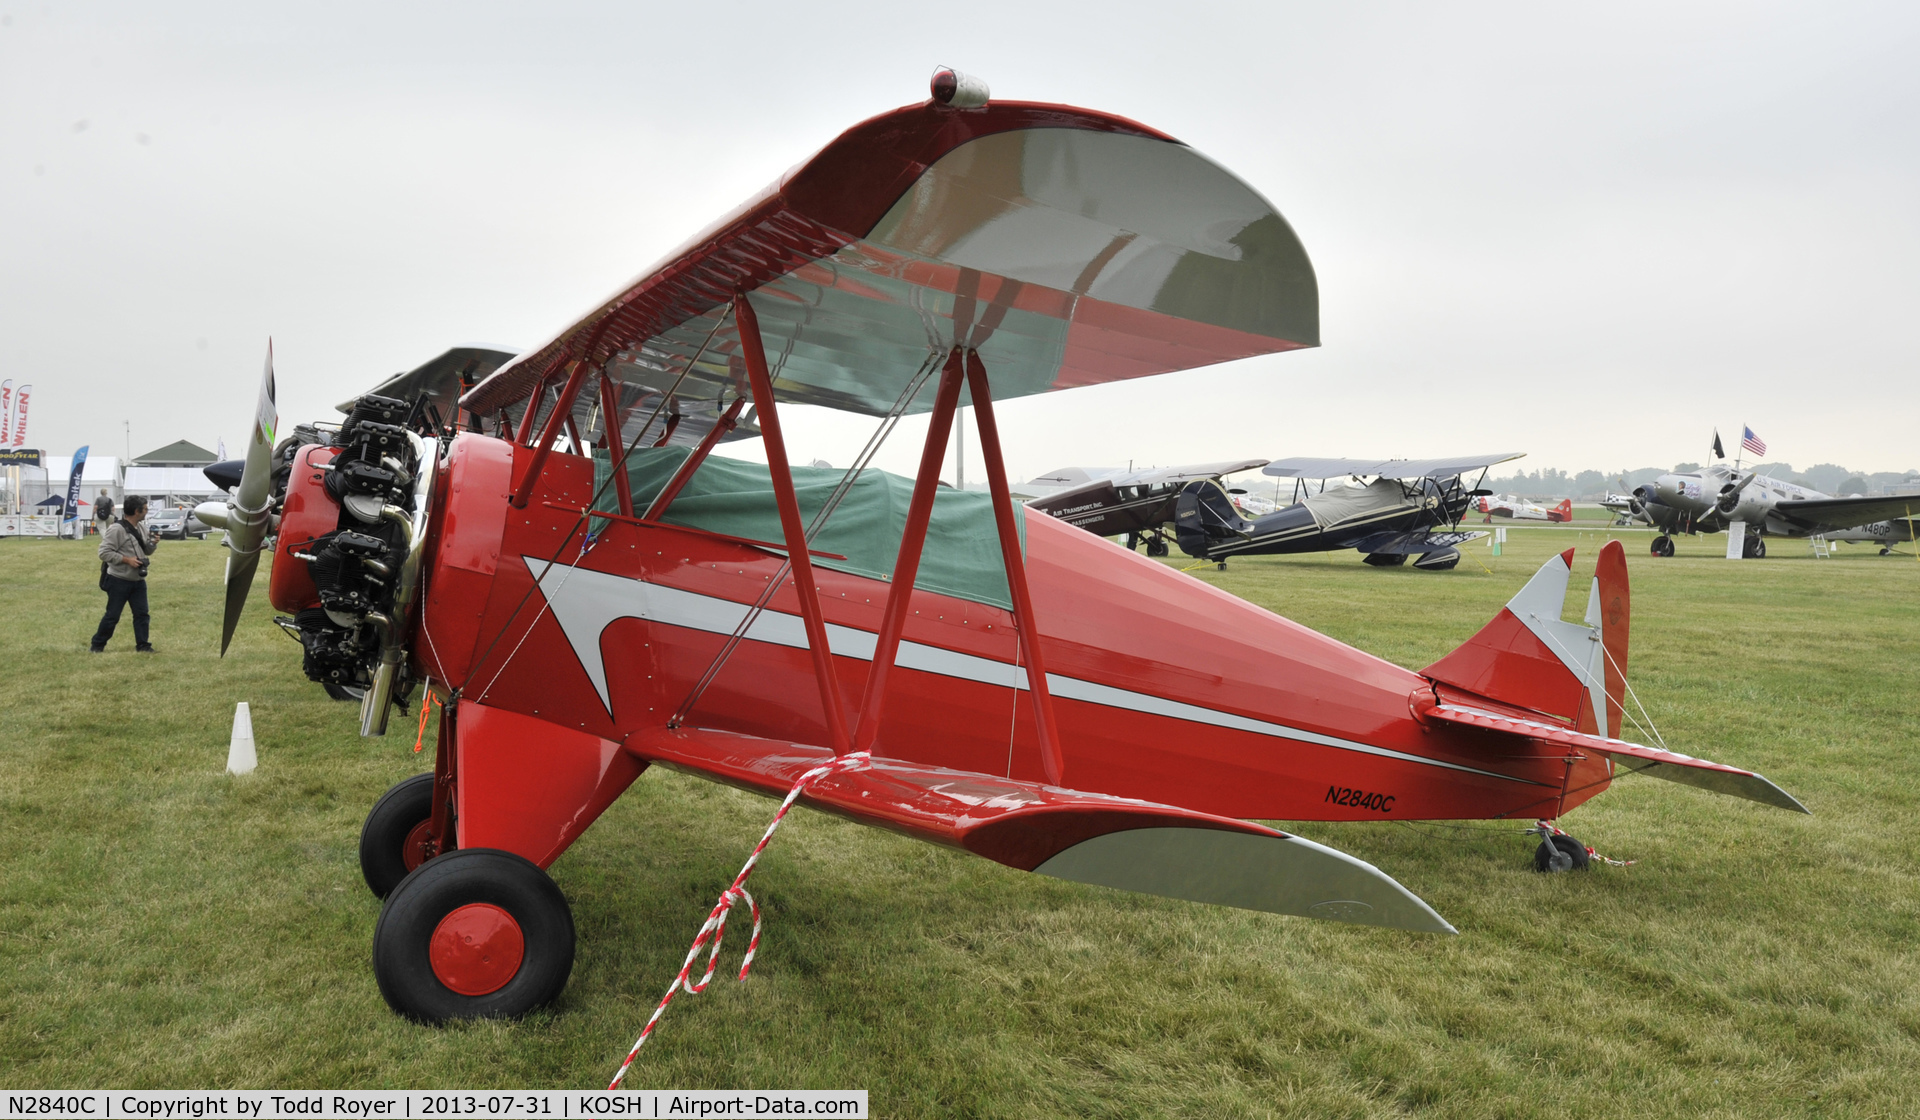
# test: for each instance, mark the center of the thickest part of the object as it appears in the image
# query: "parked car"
(177, 524)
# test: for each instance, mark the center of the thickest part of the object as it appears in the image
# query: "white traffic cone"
(240, 758)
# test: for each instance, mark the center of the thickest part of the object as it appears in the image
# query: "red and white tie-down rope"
(716, 923)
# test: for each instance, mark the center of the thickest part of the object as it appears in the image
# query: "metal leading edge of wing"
(1069, 247)
(1085, 837)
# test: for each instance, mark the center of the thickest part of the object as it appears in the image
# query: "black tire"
(1573, 849)
(1660, 545)
(1885, 551)
(1156, 547)
(383, 839)
(1760, 550)
(1384, 559)
(408, 966)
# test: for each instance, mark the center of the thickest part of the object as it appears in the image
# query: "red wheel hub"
(416, 849)
(477, 949)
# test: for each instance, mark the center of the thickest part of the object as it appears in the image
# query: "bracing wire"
(599, 493)
(840, 490)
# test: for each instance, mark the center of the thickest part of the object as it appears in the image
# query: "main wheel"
(1156, 546)
(1661, 545)
(1760, 550)
(1885, 551)
(475, 934)
(1572, 855)
(394, 840)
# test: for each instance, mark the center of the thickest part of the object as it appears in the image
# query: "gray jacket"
(120, 542)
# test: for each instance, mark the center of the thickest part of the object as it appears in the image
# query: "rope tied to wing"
(715, 926)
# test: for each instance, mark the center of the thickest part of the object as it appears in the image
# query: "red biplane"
(549, 550)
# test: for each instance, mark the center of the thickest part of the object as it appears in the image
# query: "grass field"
(164, 924)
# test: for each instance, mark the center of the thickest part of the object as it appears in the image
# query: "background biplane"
(1135, 504)
(1388, 509)
(587, 592)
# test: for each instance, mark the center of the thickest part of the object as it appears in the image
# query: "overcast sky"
(1588, 232)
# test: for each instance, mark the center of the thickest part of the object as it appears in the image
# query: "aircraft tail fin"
(1563, 511)
(1529, 657)
(1204, 513)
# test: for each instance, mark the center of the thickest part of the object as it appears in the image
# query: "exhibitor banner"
(72, 509)
(19, 417)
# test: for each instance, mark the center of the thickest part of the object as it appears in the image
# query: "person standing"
(102, 512)
(126, 552)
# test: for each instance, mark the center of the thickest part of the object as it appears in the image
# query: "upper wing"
(1161, 476)
(1069, 247)
(441, 380)
(1085, 837)
(1385, 468)
(1817, 515)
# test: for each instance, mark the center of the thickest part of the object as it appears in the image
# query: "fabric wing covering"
(1068, 247)
(962, 557)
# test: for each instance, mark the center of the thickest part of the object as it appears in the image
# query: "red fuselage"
(1165, 689)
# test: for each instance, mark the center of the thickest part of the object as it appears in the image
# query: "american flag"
(1752, 442)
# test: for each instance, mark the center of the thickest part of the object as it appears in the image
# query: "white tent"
(102, 472)
(174, 485)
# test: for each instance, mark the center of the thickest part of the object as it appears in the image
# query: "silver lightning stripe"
(585, 602)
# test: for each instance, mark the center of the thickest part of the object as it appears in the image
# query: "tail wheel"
(475, 934)
(397, 836)
(1560, 853)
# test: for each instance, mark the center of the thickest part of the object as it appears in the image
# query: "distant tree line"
(1830, 478)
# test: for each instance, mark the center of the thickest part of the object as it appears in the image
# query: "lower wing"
(1069, 834)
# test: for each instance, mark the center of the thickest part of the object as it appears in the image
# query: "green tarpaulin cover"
(962, 557)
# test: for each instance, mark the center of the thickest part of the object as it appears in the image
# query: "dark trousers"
(121, 592)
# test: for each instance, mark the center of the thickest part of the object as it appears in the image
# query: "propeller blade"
(1730, 493)
(247, 511)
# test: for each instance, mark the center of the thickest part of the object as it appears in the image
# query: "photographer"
(126, 552)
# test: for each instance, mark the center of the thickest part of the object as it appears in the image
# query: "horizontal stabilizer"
(1086, 837)
(1633, 757)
